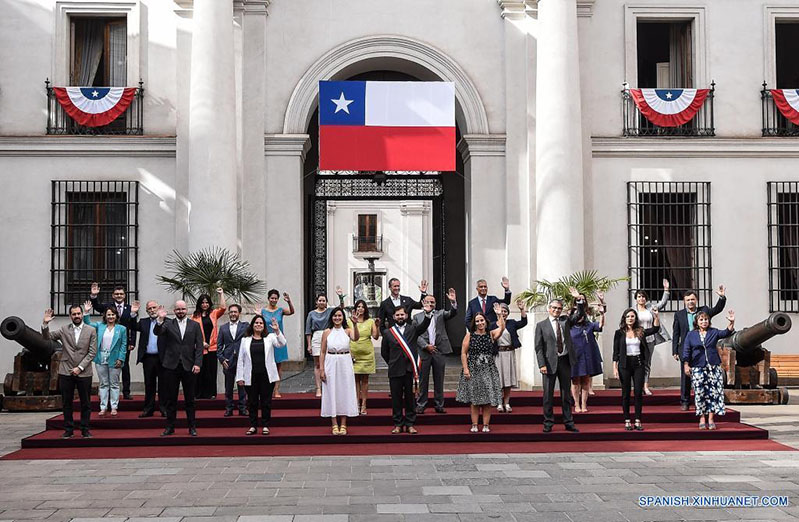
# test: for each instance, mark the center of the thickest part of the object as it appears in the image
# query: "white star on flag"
(342, 103)
(668, 95)
(95, 94)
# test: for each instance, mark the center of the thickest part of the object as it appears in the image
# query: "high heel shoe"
(628, 426)
(486, 429)
(473, 429)
(638, 426)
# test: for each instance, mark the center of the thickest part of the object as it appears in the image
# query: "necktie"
(559, 337)
(119, 310)
(483, 304)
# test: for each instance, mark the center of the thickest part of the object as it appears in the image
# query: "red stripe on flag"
(350, 147)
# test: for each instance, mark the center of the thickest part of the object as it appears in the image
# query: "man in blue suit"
(684, 323)
(484, 303)
(147, 356)
(227, 351)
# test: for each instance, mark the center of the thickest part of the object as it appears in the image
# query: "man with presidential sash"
(399, 351)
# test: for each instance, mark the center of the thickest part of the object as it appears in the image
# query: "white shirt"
(431, 332)
(397, 301)
(77, 330)
(556, 327)
(633, 345)
(233, 329)
(182, 327)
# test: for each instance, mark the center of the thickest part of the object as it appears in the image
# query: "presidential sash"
(415, 362)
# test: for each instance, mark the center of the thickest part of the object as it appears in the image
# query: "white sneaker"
(508, 409)
(500, 409)
(486, 429)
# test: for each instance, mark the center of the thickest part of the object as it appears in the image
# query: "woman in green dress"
(363, 351)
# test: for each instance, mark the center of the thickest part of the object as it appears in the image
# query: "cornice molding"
(88, 146)
(481, 145)
(512, 9)
(287, 145)
(585, 8)
(255, 7)
(619, 147)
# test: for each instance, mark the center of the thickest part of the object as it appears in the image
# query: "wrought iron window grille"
(783, 246)
(774, 123)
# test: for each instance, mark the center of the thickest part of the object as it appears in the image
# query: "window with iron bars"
(668, 237)
(94, 238)
(783, 246)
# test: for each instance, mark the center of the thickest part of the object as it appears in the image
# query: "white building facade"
(557, 171)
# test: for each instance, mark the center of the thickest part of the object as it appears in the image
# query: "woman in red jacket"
(207, 316)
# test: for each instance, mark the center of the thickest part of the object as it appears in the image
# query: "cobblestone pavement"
(494, 487)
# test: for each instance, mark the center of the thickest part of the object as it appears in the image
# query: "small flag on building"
(787, 101)
(386, 126)
(94, 106)
(669, 107)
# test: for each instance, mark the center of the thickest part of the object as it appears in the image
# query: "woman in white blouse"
(630, 357)
(257, 371)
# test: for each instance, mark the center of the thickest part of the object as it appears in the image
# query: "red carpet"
(297, 429)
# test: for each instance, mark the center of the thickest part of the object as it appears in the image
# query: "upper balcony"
(96, 111)
(367, 246)
(682, 112)
(780, 111)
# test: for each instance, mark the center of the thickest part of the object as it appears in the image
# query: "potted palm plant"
(587, 282)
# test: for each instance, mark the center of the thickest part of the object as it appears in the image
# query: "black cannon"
(749, 363)
(34, 383)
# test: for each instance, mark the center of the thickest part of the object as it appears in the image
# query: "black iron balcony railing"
(636, 124)
(774, 123)
(367, 244)
(128, 123)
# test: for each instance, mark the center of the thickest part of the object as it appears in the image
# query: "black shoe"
(547, 429)
(244, 413)
(168, 431)
(163, 413)
(228, 413)
(86, 434)
(212, 397)
(684, 407)
(145, 414)
(572, 429)
(193, 432)
(127, 397)
(67, 434)
(419, 411)
(441, 410)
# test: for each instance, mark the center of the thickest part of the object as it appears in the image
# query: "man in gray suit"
(555, 354)
(433, 344)
(78, 348)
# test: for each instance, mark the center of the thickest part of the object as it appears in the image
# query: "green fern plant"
(587, 282)
(204, 271)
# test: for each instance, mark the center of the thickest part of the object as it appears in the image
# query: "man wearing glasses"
(553, 349)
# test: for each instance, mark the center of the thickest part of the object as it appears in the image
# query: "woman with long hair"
(630, 353)
(363, 351)
(703, 365)
(339, 400)
(207, 317)
(315, 325)
(643, 307)
(257, 371)
(271, 310)
(588, 357)
(479, 384)
(112, 344)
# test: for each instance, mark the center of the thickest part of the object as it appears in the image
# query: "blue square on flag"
(342, 103)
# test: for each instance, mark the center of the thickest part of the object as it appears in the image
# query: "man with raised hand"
(126, 319)
(484, 303)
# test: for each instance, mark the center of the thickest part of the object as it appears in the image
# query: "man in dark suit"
(399, 351)
(78, 348)
(125, 319)
(386, 311)
(227, 351)
(484, 303)
(555, 355)
(147, 356)
(684, 323)
(180, 348)
(432, 345)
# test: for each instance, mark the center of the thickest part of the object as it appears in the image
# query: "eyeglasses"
(556, 308)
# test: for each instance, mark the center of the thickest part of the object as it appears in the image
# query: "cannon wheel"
(772, 379)
(784, 396)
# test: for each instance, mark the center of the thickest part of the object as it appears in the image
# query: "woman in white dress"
(644, 310)
(339, 398)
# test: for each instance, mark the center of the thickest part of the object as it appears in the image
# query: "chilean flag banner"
(787, 101)
(396, 126)
(94, 106)
(669, 107)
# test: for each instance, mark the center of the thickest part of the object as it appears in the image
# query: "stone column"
(212, 187)
(559, 161)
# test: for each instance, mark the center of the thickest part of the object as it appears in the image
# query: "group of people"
(185, 350)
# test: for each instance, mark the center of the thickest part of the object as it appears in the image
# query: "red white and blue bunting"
(669, 107)
(94, 106)
(787, 101)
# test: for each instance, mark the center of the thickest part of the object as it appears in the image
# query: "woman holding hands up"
(339, 399)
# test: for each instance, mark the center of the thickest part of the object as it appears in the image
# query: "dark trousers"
(685, 387)
(173, 379)
(259, 395)
(634, 373)
(206, 380)
(230, 381)
(151, 365)
(126, 375)
(437, 362)
(67, 385)
(402, 398)
(563, 373)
